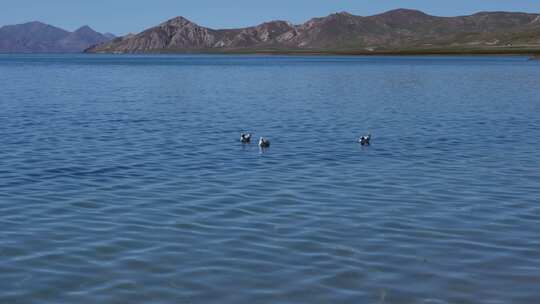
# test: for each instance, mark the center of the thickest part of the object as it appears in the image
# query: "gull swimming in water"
(264, 143)
(365, 140)
(245, 138)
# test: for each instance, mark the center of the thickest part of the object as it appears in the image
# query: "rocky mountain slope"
(37, 37)
(394, 30)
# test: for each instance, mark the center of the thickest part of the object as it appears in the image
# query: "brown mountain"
(400, 29)
(37, 37)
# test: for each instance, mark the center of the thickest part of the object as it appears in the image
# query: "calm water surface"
(122, 179)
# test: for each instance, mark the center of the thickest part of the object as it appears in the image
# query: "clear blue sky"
(124, 16)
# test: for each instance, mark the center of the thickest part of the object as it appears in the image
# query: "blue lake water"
(122, 179)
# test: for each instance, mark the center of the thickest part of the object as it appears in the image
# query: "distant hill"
(395, 30)
(37, 37)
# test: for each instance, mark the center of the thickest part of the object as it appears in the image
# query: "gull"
(264, 143)
(365, 140)
(245, 138)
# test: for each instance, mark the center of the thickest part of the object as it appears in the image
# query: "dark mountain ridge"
(38, 37)
(399, 29)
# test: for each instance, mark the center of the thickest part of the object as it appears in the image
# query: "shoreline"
(534, 53)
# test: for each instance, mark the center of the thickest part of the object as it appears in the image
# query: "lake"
(123, 180)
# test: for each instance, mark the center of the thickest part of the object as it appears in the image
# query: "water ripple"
(139, 191)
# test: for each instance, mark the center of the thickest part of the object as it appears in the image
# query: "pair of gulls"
(265, 143)
(246, 138)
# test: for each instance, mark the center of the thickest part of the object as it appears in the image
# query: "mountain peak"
(85, 29)
(36, 37)
(344, 13)
(178, 21)
(34, 23)
(405, 12)
(35, 28)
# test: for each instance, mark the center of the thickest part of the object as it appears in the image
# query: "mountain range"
(400, 30)
(37, 37)
(395, 30)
